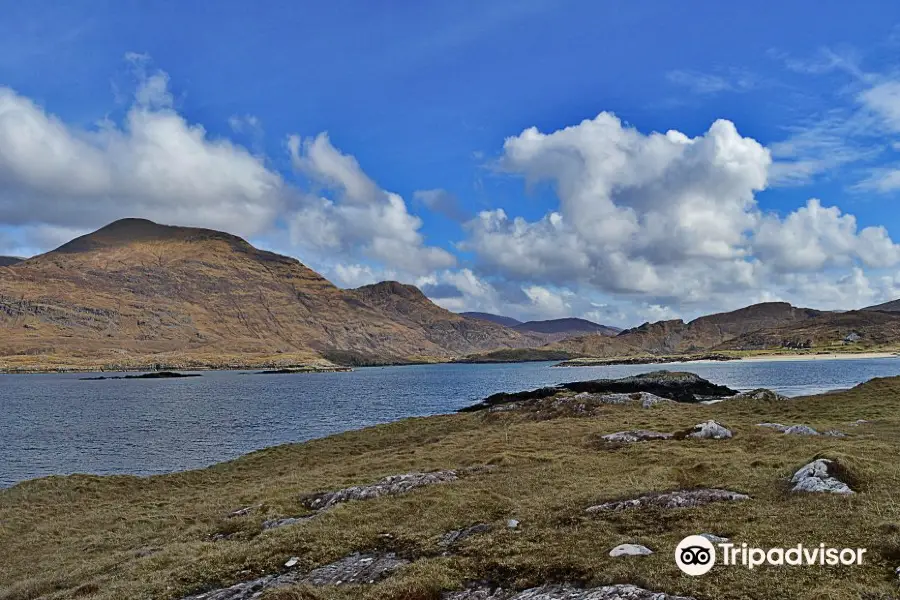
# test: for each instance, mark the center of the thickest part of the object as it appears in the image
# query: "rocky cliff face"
(137, 289)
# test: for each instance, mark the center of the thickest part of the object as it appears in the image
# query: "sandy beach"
(829, 356)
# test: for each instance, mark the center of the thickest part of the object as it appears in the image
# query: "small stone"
(834, 433)
(630, 550)
(292, 561)
(512, 524)
(457, 535)
(715, 539)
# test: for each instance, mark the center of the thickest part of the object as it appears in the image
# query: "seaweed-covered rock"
(389, 486)
(819, 476)
(636, 435)
(677, 499)
(672, 385)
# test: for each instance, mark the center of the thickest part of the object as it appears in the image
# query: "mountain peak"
(394, 289)
(132, 230)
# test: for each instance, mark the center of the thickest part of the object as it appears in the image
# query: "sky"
(621, 162)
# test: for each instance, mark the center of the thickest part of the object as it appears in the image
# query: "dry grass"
(113, 538)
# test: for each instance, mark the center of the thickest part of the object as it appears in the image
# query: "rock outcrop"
(677, 499)
(389, 486)
(457, 535)
(671, 385)
(636, 435)
(564, 592)
(353, 569)
(819, 476)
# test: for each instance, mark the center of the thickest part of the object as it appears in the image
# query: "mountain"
(559, 329)
(860, 328)
(701, 334)
(892, 306)
(498, 319)
(136, 292)
(6, 261)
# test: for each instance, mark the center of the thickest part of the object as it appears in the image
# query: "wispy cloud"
(707, 83)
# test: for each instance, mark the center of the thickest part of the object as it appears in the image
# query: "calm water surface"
(57, 424)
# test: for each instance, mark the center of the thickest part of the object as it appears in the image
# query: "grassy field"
(116, 538)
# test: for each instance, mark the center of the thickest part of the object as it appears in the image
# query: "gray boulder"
(630, 550)
(800, 430)
(678, 499)
(715, 539)
(636, 435)
(817, 477)
(709, 430)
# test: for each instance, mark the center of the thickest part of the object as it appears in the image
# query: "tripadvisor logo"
(696, 555)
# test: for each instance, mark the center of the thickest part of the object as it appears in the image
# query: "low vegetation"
(163, 537)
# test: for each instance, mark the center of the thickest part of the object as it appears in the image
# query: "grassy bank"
(112, 538)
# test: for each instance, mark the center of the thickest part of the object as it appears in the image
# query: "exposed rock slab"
(389, 486)
(677, 499)
(819, 476)
(565, 592)
(356, 568)
(636, 435)
(353, 569)
(285, 522)
(673, 385)
(790, 429)
(458, 535)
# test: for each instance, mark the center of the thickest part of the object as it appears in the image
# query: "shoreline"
(828, 356)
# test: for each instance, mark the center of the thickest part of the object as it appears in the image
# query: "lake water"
(58, 424)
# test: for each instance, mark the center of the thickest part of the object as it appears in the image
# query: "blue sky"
(215, 114)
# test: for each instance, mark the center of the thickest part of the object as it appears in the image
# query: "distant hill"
(858, 328)
(558, 329)
(6, 261)
(137, 292)
(498, 319)
(892, 306)
(701, 334)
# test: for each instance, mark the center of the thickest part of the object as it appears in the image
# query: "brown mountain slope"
(135, 291)
(892, 306)
(861, 329)
(678, 337)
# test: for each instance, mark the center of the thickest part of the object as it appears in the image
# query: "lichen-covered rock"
(565, 592)
(630, 550)
(636, 435)
(677, 499)
(458, 535)
(353, 569)
(389, 486)
(818, 476)
(709, 430)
